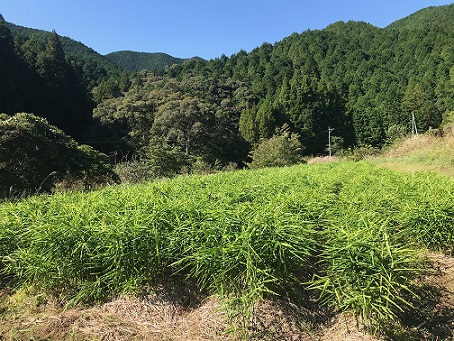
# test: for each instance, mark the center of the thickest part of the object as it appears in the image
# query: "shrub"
(283, 149)
(134, 172)
(165, 160)
(35, 155)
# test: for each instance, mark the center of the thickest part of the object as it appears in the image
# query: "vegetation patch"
(345, 235)
(426, 152)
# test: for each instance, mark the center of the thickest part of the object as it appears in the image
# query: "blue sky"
(205, 28)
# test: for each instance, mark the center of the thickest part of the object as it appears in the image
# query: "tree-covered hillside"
(90, 65)
(37, 77)
(136, 61)
(434, 15)
(362, 81)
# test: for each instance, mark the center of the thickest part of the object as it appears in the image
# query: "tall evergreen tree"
(417, 101)
(10, 80)
(51, 63)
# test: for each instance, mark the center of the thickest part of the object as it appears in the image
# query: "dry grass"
(323, 159)
(421, 153)
(162, 316)
(149, 318)
(166, 316)
(155, 317)
(409, 146)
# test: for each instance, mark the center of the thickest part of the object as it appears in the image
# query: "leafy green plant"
(366, 272)
(351, 232)
(280, 150)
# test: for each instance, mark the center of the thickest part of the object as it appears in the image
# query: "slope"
(136, 61)
(92, 66)
(439, 15)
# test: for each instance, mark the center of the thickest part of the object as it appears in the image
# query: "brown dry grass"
(322, 159)
(410, 145)
(155, 317)
(166, 316)
(421, 153)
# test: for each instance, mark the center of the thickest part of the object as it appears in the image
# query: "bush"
(283, 149)
(35, 155)
(165, 160)
(134, 172)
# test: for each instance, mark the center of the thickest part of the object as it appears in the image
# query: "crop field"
(347, 235)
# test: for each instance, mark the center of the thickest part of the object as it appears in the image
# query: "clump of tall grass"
(366, 271)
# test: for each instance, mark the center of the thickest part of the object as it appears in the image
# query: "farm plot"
(347, 235)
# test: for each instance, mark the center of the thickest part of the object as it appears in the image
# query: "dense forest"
(360, 80)
(135, 61)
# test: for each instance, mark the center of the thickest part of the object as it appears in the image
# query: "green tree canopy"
(282, 149)
(34, 155)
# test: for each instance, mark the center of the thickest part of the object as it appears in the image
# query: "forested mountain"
(90, 65)
(53, 77)
(361, 80)
(439, 16)
(136, 61)
(36, 77)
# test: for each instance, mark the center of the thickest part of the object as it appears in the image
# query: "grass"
(422, 153)
(347, 234)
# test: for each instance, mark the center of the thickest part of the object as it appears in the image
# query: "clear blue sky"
(205, 28)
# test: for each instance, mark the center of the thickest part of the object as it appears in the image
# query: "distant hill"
(430, 16)
(136, 61)
(92, 66)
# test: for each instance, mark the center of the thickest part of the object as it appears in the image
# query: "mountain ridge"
(135, 61)
(426, 16)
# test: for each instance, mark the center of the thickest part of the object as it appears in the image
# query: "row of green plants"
(349, 235)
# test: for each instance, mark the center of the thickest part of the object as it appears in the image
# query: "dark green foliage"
(38, 78)
(195, 116)
(164, 160)
(112, 87)
(136, 61)
(417, 101)
(35, 155)
(258, 122)
(91, 67)
(10, 74)
(361, 80)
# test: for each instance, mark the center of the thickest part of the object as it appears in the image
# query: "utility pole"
(329, 140)
(414, 129)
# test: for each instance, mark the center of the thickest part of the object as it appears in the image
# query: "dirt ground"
(163, 316)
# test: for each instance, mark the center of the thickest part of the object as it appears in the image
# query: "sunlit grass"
(350, 234)
(421, 153)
